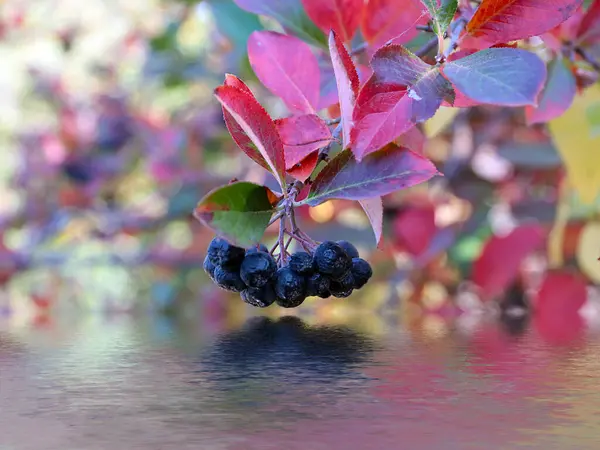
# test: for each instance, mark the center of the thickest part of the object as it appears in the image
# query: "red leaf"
(415, 228)
(557, 96)
(341, 16)
(499, 262)
(373, 207)
(498, 21)
(237, 133)
(302, 170)
(384, 20)
(413, 139)
(561, 293)
(347, 83)
(301, 136)
(589, 30)
(287, 67)
(255, 123)
(402, 91)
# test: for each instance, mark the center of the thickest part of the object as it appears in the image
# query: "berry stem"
(282, 253)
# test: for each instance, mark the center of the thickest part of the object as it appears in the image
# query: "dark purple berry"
(259, 297)
(229, 280)
(338, 291)
(332, 260)
(346, 282)
(349, 248)
(318, 285)
(258, 269)
(209, 268)
(290, 288)
(362, 272)
(222, 253)
(302, 262)
(260, 248)
(78, 171)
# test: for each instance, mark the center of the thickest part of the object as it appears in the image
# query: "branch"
(588, 58)
(458, 28)
(430, 45)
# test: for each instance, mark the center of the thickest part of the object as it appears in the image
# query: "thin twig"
(275, 218)
(588, 58)
(430, 45)
(458, 28)
(333, 121)
(282, 230)
(324, 152)
(359, 49)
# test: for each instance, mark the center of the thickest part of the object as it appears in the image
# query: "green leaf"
(442, 15)
(593, 116)
(239, 211)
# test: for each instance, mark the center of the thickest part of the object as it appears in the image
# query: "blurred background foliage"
(110, 135)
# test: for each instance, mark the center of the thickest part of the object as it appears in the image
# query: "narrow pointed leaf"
(347, 83)
(381, 173)
(384, 20)
(557, 96)
(287, 67)
(499, 21)
(441, 14)
(342, 16)
(290, 14)
(237, 133)
(239, 211)
(254, 121)
(373, 207)
(500, 76)
(301, 136)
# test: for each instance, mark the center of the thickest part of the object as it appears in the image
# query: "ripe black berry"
(338, 291)
(230, 281)
(258, 269)
(318, 285)
(362, 272)
(332, 260)
(346, 282)
(259, 297)
(302, 262)
(222, 253)
(260, 248)
(209, 268)
(349, 248)
(290, 288)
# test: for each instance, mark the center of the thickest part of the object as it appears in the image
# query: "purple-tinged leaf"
(239, 211)
(287, 67)
(255, 122)
(237, 133)
(341, 16)
(557, 96)
(499, 76)
(290, 14)
(413, 140)
(373, 207)
(301, 136)
(347, 83)
(403, 91)
(381, 173)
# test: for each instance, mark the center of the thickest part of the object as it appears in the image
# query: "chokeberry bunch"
(330, 269)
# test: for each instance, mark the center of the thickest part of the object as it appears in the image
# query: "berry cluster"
(335, 269)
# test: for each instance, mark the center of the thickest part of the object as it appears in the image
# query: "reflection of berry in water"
(302, 262)
(362, 272)
(222, 253)
(318, 285)
(290, 288)
(348, 248)
(258, 269)
(229, 280)
(332, 260)
(209, 268)
(259, 297)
